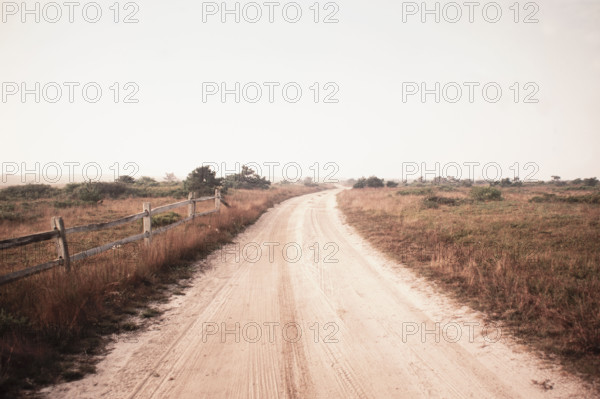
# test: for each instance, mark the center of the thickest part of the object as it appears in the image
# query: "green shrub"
(590, 182)
(506, 182)
(391, 184)
(146, 181)
(7, 212)
(202, 180)
(430, 204)
(486, 194)
(250, 180)
(448, 189)
(66, 204)
(113, 190)
(28, 192)
(7, 207)
(165, 219)
(580, 199)
(88, 192)
(372, 182)
(416, 191)
(360, 183)
(442, 200)
(125, 179)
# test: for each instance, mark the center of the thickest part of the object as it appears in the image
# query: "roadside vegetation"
(526, 254)
(52, 324)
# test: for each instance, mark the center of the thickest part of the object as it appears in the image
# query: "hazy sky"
(370, 54)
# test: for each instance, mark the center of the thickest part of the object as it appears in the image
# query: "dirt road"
(274, 323)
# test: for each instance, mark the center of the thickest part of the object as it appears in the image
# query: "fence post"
(147, 224)
(192, 205)
(61, 241)
(217, 199)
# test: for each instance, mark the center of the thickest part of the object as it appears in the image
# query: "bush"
(177, 193)
(28, 192)
(430, 204)
(486, 194)
(146, 181)
(415, 191)
(505, 182)
(446, 188)
(7, 212)
(442, 200)
(125, 179)
(113, 190)
(248, 179)
(391, 184)
(360, 183)
(581, 199)
(88, 192)
(203, 181)
(591, 182)
(372, 182)
(65, 204)
(543, 198)
(375, 182)
(165, 219)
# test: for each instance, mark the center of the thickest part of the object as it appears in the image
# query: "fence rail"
(60, 233)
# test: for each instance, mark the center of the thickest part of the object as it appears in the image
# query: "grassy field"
(47, 317)
(530, 258)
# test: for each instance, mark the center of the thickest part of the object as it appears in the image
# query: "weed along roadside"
(107, 260)
(526, 255)
(59, 232)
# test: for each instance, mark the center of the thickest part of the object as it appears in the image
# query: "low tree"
(202, 180)
(246, 179)
(391, 184)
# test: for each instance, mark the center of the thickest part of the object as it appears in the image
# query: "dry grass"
(57, 312)
(536, 266)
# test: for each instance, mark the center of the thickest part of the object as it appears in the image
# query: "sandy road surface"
(351, 325)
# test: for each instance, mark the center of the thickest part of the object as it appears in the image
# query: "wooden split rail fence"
(60, 233)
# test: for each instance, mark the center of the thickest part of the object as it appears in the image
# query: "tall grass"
(535, 265)
(57, 312)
